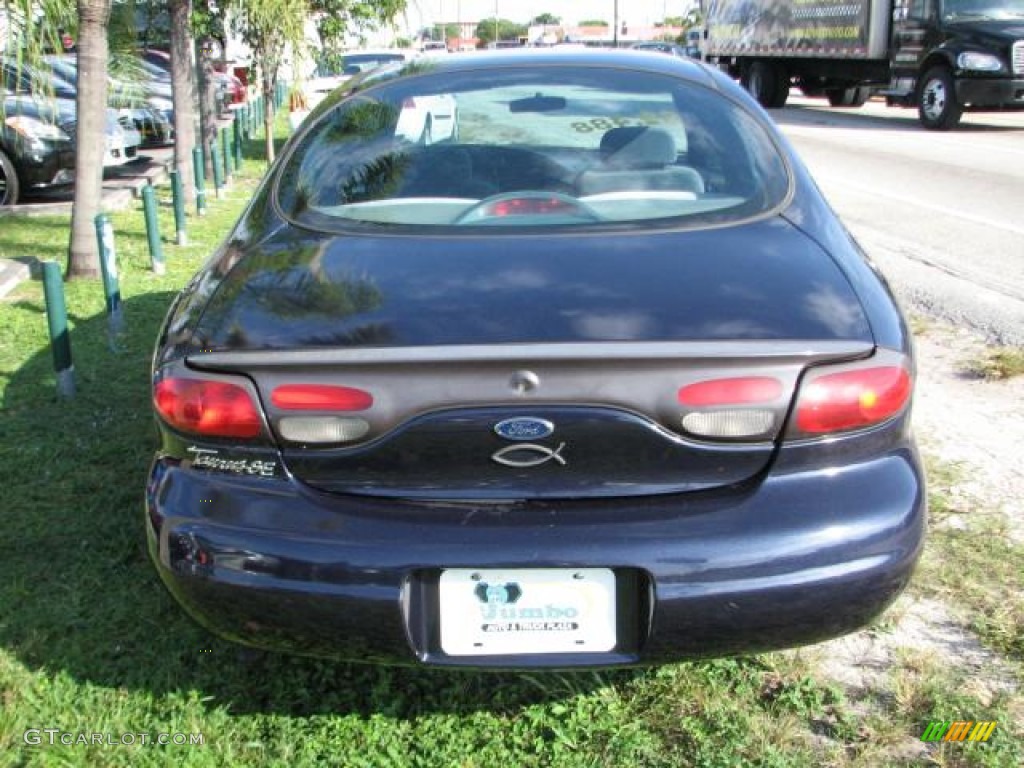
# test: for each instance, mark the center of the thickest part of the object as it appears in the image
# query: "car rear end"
(533, 437)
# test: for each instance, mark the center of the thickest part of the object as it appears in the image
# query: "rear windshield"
(532, 147)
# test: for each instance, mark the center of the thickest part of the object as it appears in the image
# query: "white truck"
(941, 56)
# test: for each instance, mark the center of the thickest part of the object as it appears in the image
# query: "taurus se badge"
(528, 455)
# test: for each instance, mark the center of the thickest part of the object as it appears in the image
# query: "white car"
(122, 140)
(326, 77)
(429, 119)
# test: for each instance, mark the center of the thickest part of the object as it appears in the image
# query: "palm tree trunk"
(183, 92)
(90, 136)
(207, 100)
(268, 114)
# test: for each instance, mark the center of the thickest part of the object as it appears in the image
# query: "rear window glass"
(532, 147)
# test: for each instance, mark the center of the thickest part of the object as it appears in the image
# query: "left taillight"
(211, 408)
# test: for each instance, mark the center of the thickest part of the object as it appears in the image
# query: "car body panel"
(518, 395)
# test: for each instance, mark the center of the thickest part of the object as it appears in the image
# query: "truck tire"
(9, 187)
(848, 97)
(937, 105)
(811, 87)
(767, 83)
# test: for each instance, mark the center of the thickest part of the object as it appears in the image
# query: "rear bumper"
(796, 559)
(991, 92)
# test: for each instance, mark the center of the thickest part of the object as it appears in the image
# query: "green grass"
(90, 642)
(973, 565)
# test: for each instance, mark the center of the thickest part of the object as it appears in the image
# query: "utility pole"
(615, 26)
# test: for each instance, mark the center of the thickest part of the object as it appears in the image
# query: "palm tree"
(93, 21)
(183, 92)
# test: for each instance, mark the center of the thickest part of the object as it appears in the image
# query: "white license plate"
(543, 610)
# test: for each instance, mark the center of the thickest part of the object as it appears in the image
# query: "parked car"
(43, 84)
(147, 104)
(661, 46)
(37, 144)
(602, 382)
(331, 73)
(230, 92)
(35, 152)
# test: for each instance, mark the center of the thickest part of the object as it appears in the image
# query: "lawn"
(93, 647)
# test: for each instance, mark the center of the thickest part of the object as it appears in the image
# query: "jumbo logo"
(524, 428)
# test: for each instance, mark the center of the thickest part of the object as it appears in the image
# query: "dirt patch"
(975, 424)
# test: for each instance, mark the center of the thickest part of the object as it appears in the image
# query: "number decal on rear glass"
(602, 124)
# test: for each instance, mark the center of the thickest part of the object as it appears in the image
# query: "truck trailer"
(943, 57)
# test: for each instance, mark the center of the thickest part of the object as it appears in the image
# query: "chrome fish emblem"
(524, 428)
(531, 455)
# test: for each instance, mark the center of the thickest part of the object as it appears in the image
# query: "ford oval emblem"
(524, 428)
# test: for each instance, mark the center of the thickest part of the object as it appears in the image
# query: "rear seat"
(638, 158)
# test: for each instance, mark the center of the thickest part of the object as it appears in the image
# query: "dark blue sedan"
(592, 376)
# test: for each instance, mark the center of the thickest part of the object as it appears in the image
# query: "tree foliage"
(272, 29)
(594, 23)
(506, 30)
(546, 18)
(336, 20)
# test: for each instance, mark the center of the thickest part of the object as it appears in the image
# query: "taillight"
(742, 390)
(528, 206)
(208, 408)
(852, 399)
(409, 103)
(735, 408)
(320, 397)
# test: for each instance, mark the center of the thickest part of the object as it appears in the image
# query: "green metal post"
(111, 287)
(156, 250)
(108, 261)
(178, 196)
(218, 172)
(236, 128)
(200, 176)
(226, 152)
(57, 320)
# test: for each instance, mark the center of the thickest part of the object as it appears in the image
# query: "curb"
(14, 271)
(122, 185)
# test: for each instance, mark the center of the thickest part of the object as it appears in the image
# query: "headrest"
(637, 146)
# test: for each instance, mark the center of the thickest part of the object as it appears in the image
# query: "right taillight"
(211, 408)
(851, 399)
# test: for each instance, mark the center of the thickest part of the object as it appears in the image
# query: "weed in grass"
(996, 364)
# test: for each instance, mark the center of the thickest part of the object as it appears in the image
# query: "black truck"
(942, 56)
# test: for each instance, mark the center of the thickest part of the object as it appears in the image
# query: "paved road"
(941, 213)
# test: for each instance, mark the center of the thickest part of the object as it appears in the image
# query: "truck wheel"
(848, 97)
(861, 94)
(9, 187)
(781, 88)
(762, 82)
(937, 106)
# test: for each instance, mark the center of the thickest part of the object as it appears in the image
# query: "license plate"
(529, 611)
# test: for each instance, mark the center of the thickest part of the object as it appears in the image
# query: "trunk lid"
(582, 344)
